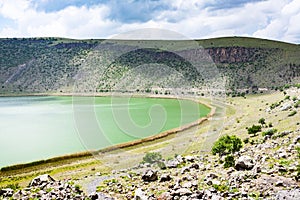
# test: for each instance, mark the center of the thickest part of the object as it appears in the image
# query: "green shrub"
(262, 121)
(161, 165)
(270, 125)
(297, 104)
(229, 161)
(254, 129)
(226, 145)
(274, 105)
(298, 151)
(246, 140)
(14, 186)
(294, 98)
(152, 157)
(269, 132)
(294, 112)
(221, 188)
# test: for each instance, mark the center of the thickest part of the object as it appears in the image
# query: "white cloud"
(273, 19)
(284, 23)
(72, 21)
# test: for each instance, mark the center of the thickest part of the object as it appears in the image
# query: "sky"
(195, 19)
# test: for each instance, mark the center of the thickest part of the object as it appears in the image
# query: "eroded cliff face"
(232, 54)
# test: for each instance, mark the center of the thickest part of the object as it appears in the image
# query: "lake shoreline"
(117, 146)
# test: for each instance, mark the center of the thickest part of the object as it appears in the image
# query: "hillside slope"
(34, 65)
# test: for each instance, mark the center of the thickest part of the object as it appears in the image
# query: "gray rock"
(282, 154)
(180, 159)
(183, 192)
(39, 180)
(286, 106)
(296, 140)
(279, 184)
(150, 175)
(165, 177)
(190, 158)
(216, 197)
(288, 195)
(172, 163)
(194, 166)
(187, 184)
(244, 163)
(284, 133)
(7, 192)
(211, 175)
(166, 196)
(93, 196)
(139, 194)
(184, 170)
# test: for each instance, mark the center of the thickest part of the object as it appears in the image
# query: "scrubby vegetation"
(227, 145)
(152, 157)
(254, 129)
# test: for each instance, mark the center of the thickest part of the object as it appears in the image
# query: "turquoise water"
(35, 128)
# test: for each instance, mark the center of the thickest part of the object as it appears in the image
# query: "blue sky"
(271, 19)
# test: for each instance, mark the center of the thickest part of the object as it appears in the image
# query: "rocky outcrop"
(232, 54)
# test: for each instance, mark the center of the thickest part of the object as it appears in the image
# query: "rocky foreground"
(266, 170)
(267, 167)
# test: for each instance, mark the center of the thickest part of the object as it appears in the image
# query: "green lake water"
(34, 128)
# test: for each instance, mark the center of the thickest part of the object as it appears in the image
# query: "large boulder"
(286, 106)
(165, 177)
(150, 175)
(183, 192)
(288, 194)
(139, 194)
(244, 163)
(42, 179)
(7, 192)
(172, 163)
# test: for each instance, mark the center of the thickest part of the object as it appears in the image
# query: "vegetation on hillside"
(54, 65)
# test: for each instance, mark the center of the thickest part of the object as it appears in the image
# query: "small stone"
(97, 174)
(194, 166)
(190, 158)
(184, 170)
(211, 175)
(187, 184)
(165, 196)
(216, 197)
(93, 196)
